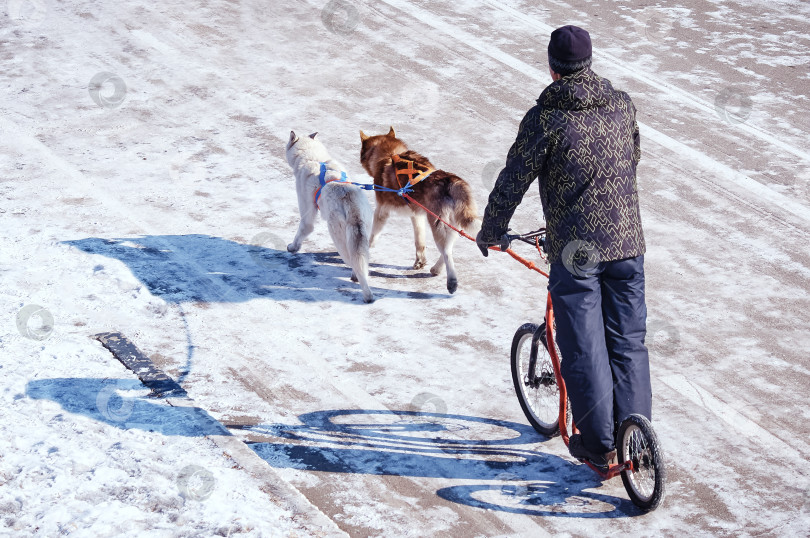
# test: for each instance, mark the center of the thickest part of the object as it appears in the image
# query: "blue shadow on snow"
(106, 400)
(432, 445)
(203, 268)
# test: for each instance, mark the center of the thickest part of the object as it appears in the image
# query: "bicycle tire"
(540, 403)
(645, 484)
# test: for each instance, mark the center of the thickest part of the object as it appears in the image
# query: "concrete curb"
(306, 515)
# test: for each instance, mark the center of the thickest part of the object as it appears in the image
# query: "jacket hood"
(582, 90)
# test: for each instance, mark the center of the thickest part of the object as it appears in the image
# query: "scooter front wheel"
(534, 379)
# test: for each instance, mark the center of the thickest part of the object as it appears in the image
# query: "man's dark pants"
(601, 324)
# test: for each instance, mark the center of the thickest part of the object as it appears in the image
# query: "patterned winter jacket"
(582, 142)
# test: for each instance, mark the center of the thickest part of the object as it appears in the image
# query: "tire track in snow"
(708, 401)
(684, 96)
(712, 165)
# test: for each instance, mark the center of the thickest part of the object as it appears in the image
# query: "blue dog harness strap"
(322, 178)
(345, 179)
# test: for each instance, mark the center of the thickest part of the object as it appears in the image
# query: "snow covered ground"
(143, 189)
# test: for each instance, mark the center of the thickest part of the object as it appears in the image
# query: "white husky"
(345, 207)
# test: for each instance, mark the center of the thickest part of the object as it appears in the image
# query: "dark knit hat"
(569, 50)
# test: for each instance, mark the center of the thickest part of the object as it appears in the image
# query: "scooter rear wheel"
(638, 444)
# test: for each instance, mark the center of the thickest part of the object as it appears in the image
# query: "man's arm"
(523, 163)
(636, 137)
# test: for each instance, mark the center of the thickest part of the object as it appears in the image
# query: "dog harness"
(409, 172)
(322, 178)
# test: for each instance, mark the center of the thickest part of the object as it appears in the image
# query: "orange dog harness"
(409, 172)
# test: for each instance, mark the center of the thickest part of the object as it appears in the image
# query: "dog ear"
(392, 133)
(293, 139)
(363, 136)
(313, 135)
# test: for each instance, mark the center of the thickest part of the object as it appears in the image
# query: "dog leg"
(359, 265)
(355, 239)
(362, 278)
(419, 221)
(380, 217)
(305, 228)
(452, 278)
(438, 267)
(445, 239)
(360, 271)
(440, 238)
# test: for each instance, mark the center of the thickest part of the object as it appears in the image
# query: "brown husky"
(445, 194)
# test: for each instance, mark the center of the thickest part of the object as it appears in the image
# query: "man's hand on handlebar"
(502, 243)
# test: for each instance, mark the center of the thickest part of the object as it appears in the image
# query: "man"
(582, 141)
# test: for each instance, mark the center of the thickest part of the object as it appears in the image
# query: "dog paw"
(354, 277)
(437, 269)
(418, 264)
(452, 285)
(368, 299)
(292, 248)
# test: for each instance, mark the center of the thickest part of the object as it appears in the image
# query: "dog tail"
(465, 210)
